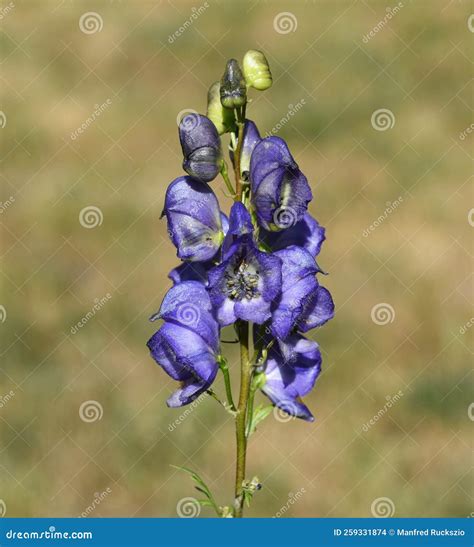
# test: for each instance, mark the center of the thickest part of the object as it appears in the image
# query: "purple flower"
(306, 233)
(244, 285)
(303, 303)
(187, 344)
(280, 191)
(194, 219)
(201, 147)
(290, 374)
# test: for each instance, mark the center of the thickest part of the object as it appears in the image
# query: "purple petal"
(287, 381)
(318, 310)
(182, 353)
(280, 192)
(201, 147)
(194, 219)
(306, 233)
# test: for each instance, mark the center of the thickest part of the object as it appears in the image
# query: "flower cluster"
(256, 265)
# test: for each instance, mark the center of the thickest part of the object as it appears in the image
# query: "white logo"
(3, 119)
(285, 22)
(91, 217)
(188, 508)
(91, 22)
(284, 416)
(382, 314)
(285, 217)
(3, 314)
(382, 119)
(382, 508)
(91, 411)
(188, 119)
(470, 23)
(188, 314)
(470, 217)
(3, 508)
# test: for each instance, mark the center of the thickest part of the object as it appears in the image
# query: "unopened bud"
(233, 88)
(257, 70)
(222, 118)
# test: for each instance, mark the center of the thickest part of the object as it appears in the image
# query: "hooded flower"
(201, 147)
(290, 378)
(187, 344)
(194, 219)
(306, 233)
(303, 303)
(244, 285)
(280, 191)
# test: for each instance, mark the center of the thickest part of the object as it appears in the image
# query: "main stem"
(241, 418)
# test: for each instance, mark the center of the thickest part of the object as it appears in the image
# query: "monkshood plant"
(254, 269)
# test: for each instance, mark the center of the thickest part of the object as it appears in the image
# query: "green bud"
(233, 88)
(222, 118)
(257, 70)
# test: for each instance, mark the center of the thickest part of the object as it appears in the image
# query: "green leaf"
(259, 414)
(201, 487)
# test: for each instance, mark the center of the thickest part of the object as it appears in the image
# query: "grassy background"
(417, 260)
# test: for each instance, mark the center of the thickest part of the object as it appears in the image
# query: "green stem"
(223, 365)
(225, 176)
(241, 418)
(238, 181)
(250, 409)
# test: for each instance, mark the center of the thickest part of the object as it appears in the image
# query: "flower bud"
(256, 70)
(222, 118)
(233, 89)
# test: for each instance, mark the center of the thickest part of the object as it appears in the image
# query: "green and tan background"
(403, 288)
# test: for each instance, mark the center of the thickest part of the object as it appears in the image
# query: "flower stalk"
(253, 267)
(241, 417)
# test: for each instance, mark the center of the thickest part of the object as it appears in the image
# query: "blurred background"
(375, 100)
